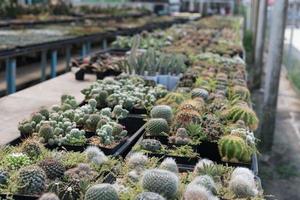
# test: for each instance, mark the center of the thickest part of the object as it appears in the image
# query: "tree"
(273, 66)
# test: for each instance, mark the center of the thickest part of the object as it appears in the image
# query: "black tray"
(19, 197)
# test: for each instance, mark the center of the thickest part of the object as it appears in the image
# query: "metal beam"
(53, 63)
(10, 73)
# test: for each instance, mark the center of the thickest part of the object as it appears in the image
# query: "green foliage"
(16, 161)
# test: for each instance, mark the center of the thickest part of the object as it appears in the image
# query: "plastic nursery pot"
(18, 197)
(66, 147)
(133, 123)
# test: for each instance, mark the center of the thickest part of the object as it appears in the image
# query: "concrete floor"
(280, 170)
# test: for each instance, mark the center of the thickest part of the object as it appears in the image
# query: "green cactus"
(196, 104)
(46, 132)
(184, 118)
(92, 121)
(76, 137)
(181, 137)
(53, 168)
(240, 93)
(37, 117)
(67, 190)
(101, 191)
(172, 99)
(151, 145)
(49, 196)
(137, 160)
(26, 128)
(157, 126)
(242, 187)
(207, 182)
(45, 112)
(106, 134)
(234, 149)
(119, 113)
(199, 92)
(15, 161)
(162, 182)
(101, 98)
(241, 111)
(31, 148)
(32, 180)
(162, 111)
(170, 165)
(149, 196)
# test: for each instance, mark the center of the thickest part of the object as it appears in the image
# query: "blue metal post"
(88, 47)
(11, 66)
(68, 57)
(83, 50)
(53, 63)
(104, 44)
(43, 65)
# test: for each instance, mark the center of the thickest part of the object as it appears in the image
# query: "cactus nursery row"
(169, 118)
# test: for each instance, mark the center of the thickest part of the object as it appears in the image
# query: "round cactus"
(49, 196)
(170, 165)
(162, 182)
(26, 128)
(173, 99)
(157, 126)
(46, 132)
(207, 182)
(196, 104)
(181, 137)
(66, 190)
(201, 165)
(184, 118)
(95, 155)
(32, 180)
(199, 92)
(242, 187)
(151, 145)
(101, 191)
(53, 168)
(234, 149)
(16, 160)
(31, 148)
(45, 112)
(240, 93)
(242, 171)
(137, 160)
(3, 177)
(197, 192)
(149, 196)
(162, 111)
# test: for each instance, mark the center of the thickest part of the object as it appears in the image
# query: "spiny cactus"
(3, 177)
(197, 192)
(240, 93)
(95, 155)
(32, 180)
(92, 121)
(49, 196)
(170, 165)
(16, 160)
(67, 190)
(162, 182)
(81, 172)
(151, 145)
(184, 118)
(234, 149)
(26, 128)
(101, 98)
(137, 160)
(32, 148)
(212, 127)
(101, 191)
(76, 137)
(37, 117)
(172, 99)
(45, 112)
(207, 182)
(106, 134)
(53, 168)
(157, 126)
(242, 171)
(149, 196)
(181, 137)
(199, 92)
(46, 132)
(162, 111)
(242, 187)
(242, 112)
(119, 113)
(196, 104)
(201, 165)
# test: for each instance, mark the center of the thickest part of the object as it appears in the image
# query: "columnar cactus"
(234, 149)
(53, 168)
(26, 128)
(149, 196)
(101, 191)
(162, 182)
(32, 180)
(151, 145)
(170, 165)
(49, 196)
(162, 111)
(157, 126)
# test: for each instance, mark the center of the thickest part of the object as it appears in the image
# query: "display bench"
(15, 107)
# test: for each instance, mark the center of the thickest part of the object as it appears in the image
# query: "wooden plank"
(18, 106)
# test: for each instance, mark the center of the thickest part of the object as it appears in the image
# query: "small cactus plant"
(31, 148)
(207, 182)
(137, 160)
(149, 196)
(151, 145)
(242, 187)
(234, 149)
(170, 165)
(181, 137)
(161, 181)
(3, 177)
(15, 161)
(201, 165)
(46, 132)
(32, 180)
(197, 192)
(53, 168)
(162, 111)
(199, 92)
(92, 121)
(101, 191)
(184, 118)
(95, 155)
(172, 99)
(157, 126)
(49, 196)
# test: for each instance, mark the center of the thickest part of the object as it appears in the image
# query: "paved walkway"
(280, 173)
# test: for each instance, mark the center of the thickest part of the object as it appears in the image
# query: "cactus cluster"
(31, 148)
(16, 160)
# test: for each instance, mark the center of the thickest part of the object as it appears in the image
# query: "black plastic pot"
(111, 151)
(133, 123)
(19, 197)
